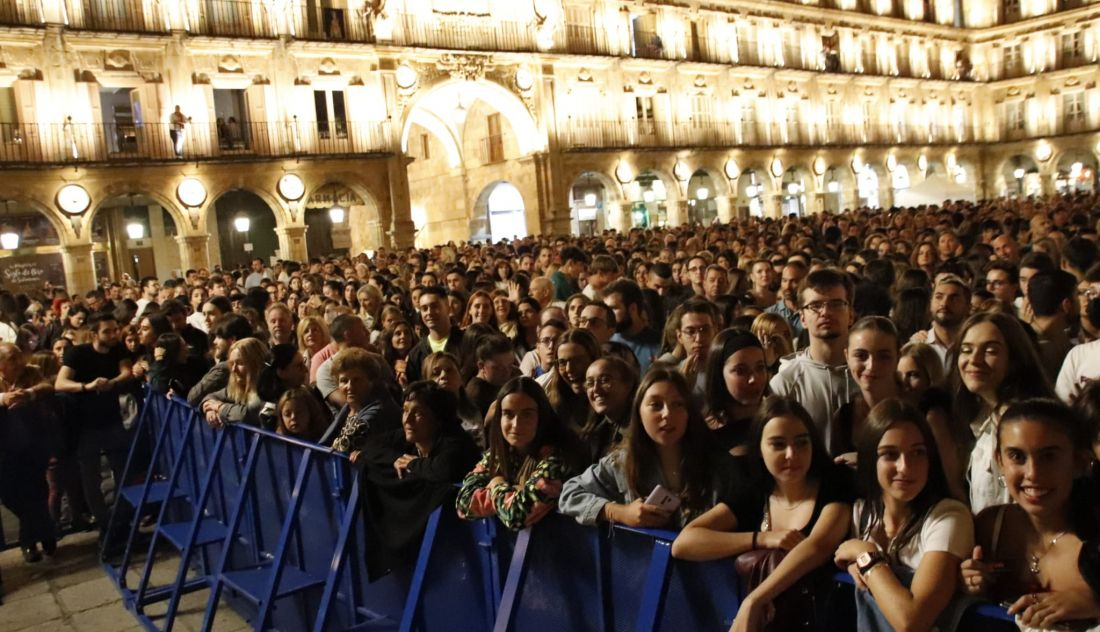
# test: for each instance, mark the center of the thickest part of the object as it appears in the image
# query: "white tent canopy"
(934, 190)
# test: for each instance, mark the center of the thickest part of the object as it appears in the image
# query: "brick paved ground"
(71, 593)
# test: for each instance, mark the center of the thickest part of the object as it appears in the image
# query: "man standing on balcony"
(176, 125)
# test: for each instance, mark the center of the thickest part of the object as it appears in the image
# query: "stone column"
(79, 268)
(1046, 181)
(618, 216)
(194, 251)
(679, 213)
(819, 203)
(292, 242)
(402, 231)
(725, 208)
(773, 205)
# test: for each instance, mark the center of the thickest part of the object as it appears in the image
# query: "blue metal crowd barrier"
(272, 526)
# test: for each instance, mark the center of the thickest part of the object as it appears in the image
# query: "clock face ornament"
(73, 199)
(191, 192)
(291, 187)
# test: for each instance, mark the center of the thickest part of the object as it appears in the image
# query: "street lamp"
(242, 224)
(336, 214)
(135, 230)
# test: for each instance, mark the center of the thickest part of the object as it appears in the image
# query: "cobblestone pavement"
(71, 593)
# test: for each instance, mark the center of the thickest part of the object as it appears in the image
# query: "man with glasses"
(696, 325)
(539, 361)
(1082, 364)
(697, 266)
(1002, 279)
(817, 377)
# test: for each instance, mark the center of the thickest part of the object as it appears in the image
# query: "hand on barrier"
(853, 570)
(977, 574)
(1043, 610)
(354, 456)
(848, 458)
(637, 514)
(753, 615)
(210, 413)
(785, 540)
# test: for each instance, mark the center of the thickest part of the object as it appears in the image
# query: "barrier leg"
(649, 614)
(412, 601)
(339, 556)
(514, 583)
(231, 534)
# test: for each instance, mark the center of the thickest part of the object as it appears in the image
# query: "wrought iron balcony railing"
(35, 143)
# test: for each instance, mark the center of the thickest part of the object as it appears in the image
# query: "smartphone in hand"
(661, 498)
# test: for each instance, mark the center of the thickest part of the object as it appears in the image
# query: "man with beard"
(787, 307)
(950, 307)
(626, 300)
(94, 374)
(818, 377)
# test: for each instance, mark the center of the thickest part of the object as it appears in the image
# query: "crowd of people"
(905, 394)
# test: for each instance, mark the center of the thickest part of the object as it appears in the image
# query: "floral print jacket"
(516, 507)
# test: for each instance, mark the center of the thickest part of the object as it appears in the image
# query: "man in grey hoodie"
(817, 377)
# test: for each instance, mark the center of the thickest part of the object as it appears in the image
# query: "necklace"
(1033, 566)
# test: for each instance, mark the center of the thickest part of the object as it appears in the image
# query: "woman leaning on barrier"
(910, 535)
(784, 521)
(411, 471)
(1028, 552)
(531, 454)
(665, 455)
(239, 401)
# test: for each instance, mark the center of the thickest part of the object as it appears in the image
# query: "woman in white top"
(1028, 551)
(909, 535)
(996, 362)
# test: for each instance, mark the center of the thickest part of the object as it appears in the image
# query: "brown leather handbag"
(795, 608)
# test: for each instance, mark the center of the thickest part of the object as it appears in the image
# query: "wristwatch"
(866, 561)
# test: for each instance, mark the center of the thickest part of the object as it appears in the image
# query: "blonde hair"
(305, 324)
(927, 360)
(772, 330)
(254, 355)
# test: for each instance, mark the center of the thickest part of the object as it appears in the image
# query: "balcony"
(595, 135)
(32, 143)
(232, 18)
(463, 34)
(16, 13)
(324, 24)
(117, 16)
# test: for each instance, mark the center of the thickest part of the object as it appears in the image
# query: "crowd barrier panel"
(273, 526)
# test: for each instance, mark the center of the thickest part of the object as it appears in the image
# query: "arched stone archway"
(794, 185)
(839, 188)
(463, 136)
(136, 233)
(753, 186)
(444, 102)
(31, 246)
(1019, 176)
(1075, 171)
(702, 191)
(499, 213)
(591, 197)
(234, 243)
(651, 195)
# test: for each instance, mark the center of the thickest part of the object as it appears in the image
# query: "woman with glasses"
(609, 383)
(574, 351)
